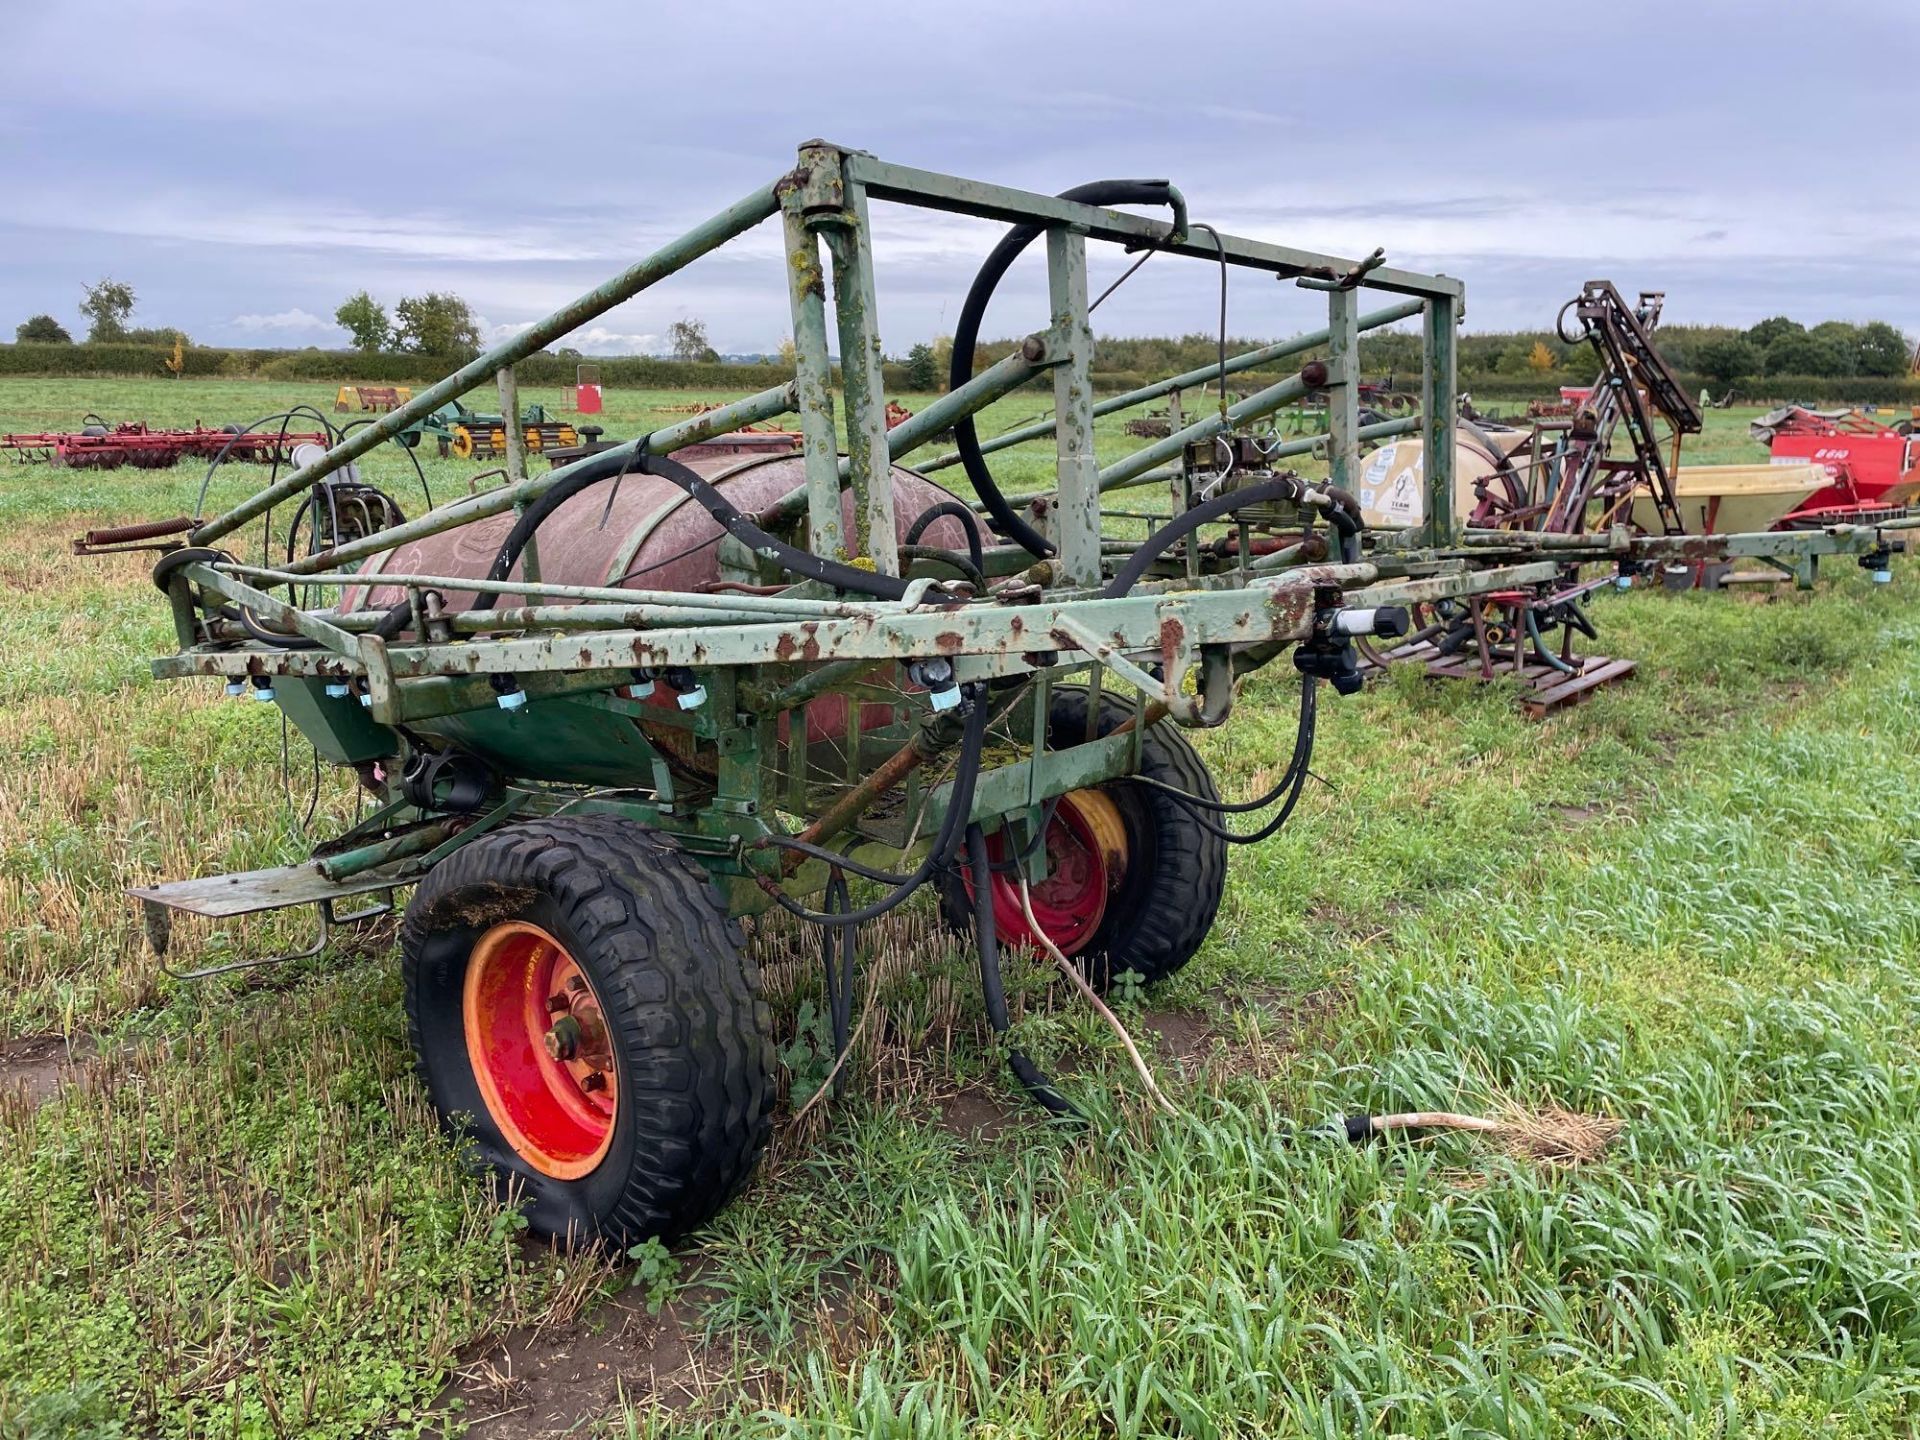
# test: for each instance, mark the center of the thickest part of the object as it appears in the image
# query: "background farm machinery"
(98, 445)
(1871, 469)
(473, 435)
(605, 709)
(1603, 483)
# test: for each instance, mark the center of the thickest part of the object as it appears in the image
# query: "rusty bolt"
(1314, 373)
(577, 984)
(1033, 349)
(593, 1082)
(563, 1040)
(557, 1003)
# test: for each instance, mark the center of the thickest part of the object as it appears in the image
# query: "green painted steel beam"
(736, 219)
(1620, 543)
(1266, 610)
(1004, 376)
(813, 383)
(1343, 391)
(1008, 789)
(869, 459)
(1076, 515)
(887, 181)
(755, 606)
(1187, 379)
(1439, 398)
(1261, 402)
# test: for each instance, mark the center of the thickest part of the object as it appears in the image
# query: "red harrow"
(99, 446)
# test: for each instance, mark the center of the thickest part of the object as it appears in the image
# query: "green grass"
(1690, 904)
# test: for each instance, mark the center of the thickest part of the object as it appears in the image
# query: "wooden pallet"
(1544, 689)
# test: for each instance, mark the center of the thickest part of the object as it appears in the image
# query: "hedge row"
(1774, 389)
(643, 372)
(341, 366)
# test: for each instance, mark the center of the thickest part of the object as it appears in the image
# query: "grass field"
(1689, 905)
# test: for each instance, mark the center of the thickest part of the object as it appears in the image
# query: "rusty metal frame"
(764, 657)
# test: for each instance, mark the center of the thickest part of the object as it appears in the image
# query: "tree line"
(441, 324)
(106, 306)
(1724, 355)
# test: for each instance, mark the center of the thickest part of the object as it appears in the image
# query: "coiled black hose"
(966, 340)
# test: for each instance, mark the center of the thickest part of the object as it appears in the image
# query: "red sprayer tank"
(654, 538)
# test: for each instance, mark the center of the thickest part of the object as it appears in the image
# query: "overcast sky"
(246, 164)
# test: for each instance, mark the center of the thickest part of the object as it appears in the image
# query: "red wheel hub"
(542, 1056)
(1086, 848)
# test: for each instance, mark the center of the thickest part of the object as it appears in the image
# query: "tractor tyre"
(1133, 881)
(583, 1013)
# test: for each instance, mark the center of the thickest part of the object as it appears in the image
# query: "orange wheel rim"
(541, 1050)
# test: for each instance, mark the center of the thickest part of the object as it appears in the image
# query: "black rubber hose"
(837, 961)
(952, 559)
(976, 545)
(1281, 487)
(795, 562)
(257, 628)
(966, 341)
(945, 843)
(993, 990)
(530, 520)
(1292, 782)
(598, 468)
(1308, 706)
(1540, 645)
(1344, 517)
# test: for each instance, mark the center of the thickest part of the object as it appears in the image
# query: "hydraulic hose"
(966, 340)
(993, 990)
(1343, 515)
(837, 962)
(531, 519)
(1540, 645)
(945, 842)
(952, 559)
(1292, 783)
(1281, 487)
(976, 546)
(593, 471)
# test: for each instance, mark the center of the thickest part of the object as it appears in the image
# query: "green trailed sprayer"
(606, 710)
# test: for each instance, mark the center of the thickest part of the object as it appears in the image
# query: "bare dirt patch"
(977, 1115)
(1243, 1032)
(556, 1379)
(1187, 1039)
(34, 1067)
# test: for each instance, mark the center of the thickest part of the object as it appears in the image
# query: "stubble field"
(1691, 905)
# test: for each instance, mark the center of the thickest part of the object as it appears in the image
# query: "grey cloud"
(1462, 138)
